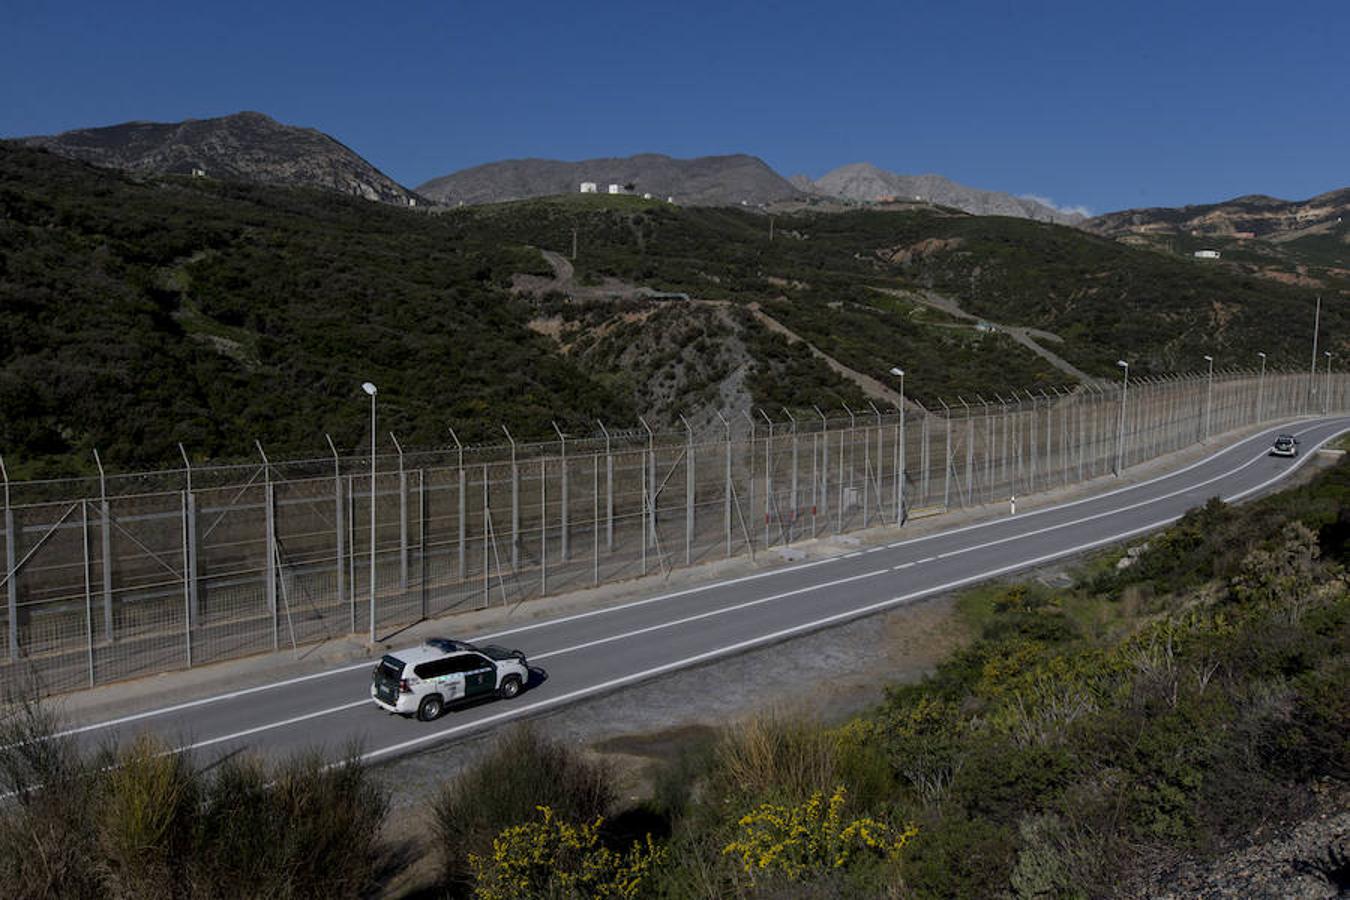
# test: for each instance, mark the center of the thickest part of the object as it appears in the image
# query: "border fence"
(126, 575)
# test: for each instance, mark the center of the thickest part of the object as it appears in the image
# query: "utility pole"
(574, 243)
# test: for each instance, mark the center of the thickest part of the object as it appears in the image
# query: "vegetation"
(137, 313)
(522, 773)
(1163, 706)
(1104, 298)
(1178, 695)
(143, 822)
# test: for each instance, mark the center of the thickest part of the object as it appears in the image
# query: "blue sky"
(1103, 105)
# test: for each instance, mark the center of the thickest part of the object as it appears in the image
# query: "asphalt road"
(585, 654)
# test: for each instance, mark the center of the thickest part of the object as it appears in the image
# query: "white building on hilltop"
(588, 187)
(616, 189)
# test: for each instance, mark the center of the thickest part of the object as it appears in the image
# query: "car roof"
(413, 656)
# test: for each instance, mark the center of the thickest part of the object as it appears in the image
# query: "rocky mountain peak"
(244, 146)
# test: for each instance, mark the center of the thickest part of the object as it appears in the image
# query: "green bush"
(521, 771)
(146, 822)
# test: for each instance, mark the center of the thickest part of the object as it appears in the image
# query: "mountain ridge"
(248, 146)
(729, 179)
(1254, 215)
(864, 182)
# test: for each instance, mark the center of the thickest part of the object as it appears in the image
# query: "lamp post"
(1261, 390)
(900, 465)
(1209, 393)
(1124, 392)
(372, 391)
(1326, 391)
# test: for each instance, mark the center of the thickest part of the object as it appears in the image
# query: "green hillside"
(137, 313)
(1103, 298)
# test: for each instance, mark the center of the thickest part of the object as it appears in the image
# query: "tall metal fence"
(126, 575)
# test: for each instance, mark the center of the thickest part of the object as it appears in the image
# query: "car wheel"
(430, 708)
(510, 687)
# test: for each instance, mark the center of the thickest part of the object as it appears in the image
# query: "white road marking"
(270, 725)
(230, 695)
(796, 629)
(706, 615)
(216, 698)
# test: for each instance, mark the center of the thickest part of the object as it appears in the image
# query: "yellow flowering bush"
(554, 858)
(812, 837)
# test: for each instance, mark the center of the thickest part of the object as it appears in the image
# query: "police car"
(423, 680)
(1285, 445)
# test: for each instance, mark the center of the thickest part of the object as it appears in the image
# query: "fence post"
(651, 484)
(970, 450)
(515, 506)
(12, 570)
(726, 481)
(270, 568)
(688, 493)
(351, 544)
(402, 517)
(187, 575)
(609, 490)
(648, 510)
(988, 451)
(595, 519)
(750, 455)
(487, 567)
(565, 553)
(422, 537)
(338, 519)
(881, 464)
(543, 526)
(190, 570)
(88, 588)
(900, 464)
(839, 513)
(947, 457)
(768, 477)
(462, 503)
(824, 468)
(852, 442)
(795, 502)
(105, 547)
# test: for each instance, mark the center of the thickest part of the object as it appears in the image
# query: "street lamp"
(1326, 392)
(900, 465)
(1120, 441)
(1209, 393)
(1261, 390)
(372, 391)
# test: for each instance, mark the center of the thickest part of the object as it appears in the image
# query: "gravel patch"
(1304, 859)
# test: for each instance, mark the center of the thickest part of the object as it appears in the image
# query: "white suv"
(424, 680)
